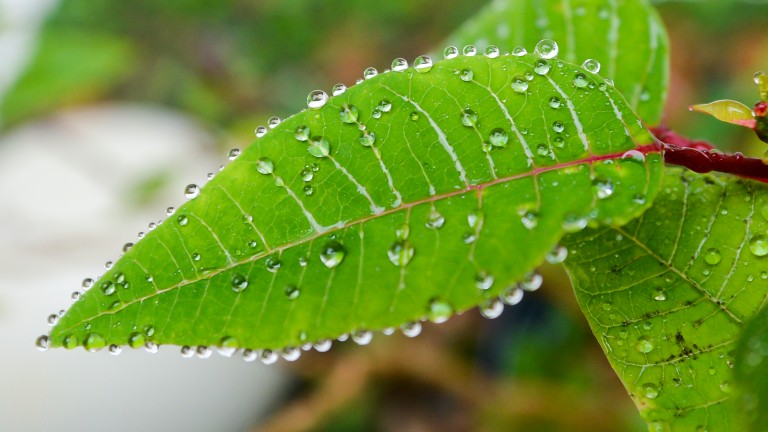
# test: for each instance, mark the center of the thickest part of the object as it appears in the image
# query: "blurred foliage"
(233, 63)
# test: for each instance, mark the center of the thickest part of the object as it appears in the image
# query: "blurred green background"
(229, 65)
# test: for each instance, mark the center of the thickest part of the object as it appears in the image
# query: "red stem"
(702, 157)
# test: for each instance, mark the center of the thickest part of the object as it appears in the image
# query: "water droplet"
(557, 255)
(348, 113)
(239, 283)
(186, 351)
(302, 133)
(574, 223)
(725, 387)
(466, 75)
(712, 256)
(450, 52)
(399, 64)
(337, 90)
(580, 80)
(203, 352)
(136, 340)
(603, 188)
(75, 295)
(265, 166)
(323, 345)
(260, 131)
(660, 296)
(414, 116)
(492, 308)
(316, 99)
(439, 310)
(541, 67)
(529, 219)
(633, 155)
(435, 220)
(108, 265)
(169, 211)
(191, 191)
(367, 139)
(370, 72)
(385, 105)
(469, 50)
(291, 354)
(376, 113)
(468, 117)
(498, 138)
(115, 349)
(644, 345)
(519, 51)
(492, 51)
(362, 337)
(308, 190)
(519, 84)
(42, 343)
(108, 288)
(400, 253)
(94, 342)
(69, 342)
(273, 264)
(758, 245)
(87, 283)
(512, 296)
(483, 280)
(546, 49)
(531, 282)
(268, 357)
(233, 153)
(411, 329)
(554, 102)
(332, 254)
(319, 147)
(292, 292)
(422, 64)
(227, 346)
(651, 391)
(591, 66)
(558, 126)
(273, 121)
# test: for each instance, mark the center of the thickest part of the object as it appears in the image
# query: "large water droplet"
(239, 283)
(519, 84)
(316, 99)
(348, 113)
(531, 282)
(450, 52)
(554, 102)
(233, 153)
(265, 166)
(758, 245)
(466, 75)
(400, 253)
(591, 66)
(512, 296)
(362, 337)
(108, 288)
(399, 64)
(291, 354)
(94, 342)
(302, 133)
(323, 345)
(115, 349)
(468, 117)
(319, 147)
(370, 72)
(338, 89)
(260, 131)
(411, 329)
(541, 67)
(557, 255)
(644, 344)
(292, 292)
(580, 80)
(268, 357)
(492, 308)
(519, 51)
(484, 280)
(603, 187)
(273, 121)
(469, 50)
(492, 51)
(43, 342)
(498, 138)
(332, 253)
(438, 310)
(649, 390)
(712, 256)
(192, 191)
(546, 49)
(422, 64)
(574, 223)
(435, 220)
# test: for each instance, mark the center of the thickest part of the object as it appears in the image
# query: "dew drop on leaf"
(399, 64)
(466, 75)
(531, 282)
(557, 255)
(362, 337)
(108, 288)
(758, 245)
(580, 80)
(554, 102)
(192, 191)
(529, 219)
(316, 99)
(260, 131)
(591, 66)
(114, 349)
(136, 340)
(94, 342)
(301, 133)
(603, 188)
(87, 283)
(492, 51)
(644, 345)
(290, 354)
(400, 253)
(411, 329)
(468, 118)
(435, 220)
(558, 126)
(332, 254)
(338, 89)
(483, 280)
(492, 308)
(498, 137)
(712, 256)
(513, 295)
(519, 84)
(541, 67)
(69, 342)
(450, 52)
(308, 190)
(319, 147)
(265, 166)
(649, 390)
(370, 72)
(42, 343)
(470, 50)
(233, 153)
(422, 64)
(273, 121)
(546, 49)
(348, 113)
(268, 357)
(239, 283)
(438, 310)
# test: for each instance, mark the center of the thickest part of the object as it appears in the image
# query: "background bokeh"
(107, 109)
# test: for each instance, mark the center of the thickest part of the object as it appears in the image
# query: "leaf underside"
(668, 295)
(300, 241)
(627, 37)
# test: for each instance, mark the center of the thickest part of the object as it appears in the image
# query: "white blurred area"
(63, 213)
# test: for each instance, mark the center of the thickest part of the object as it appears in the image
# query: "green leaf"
(667, 295)
(626, 37)
(414, 194)
(750, 372)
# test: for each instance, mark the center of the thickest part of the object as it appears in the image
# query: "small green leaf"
(728, 111)
(627, 38)
(668, 295)
(433, 195)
